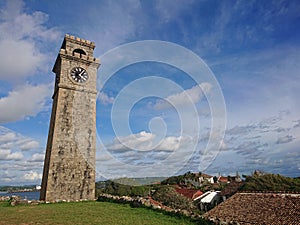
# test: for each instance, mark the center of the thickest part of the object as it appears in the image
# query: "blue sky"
(250, 51)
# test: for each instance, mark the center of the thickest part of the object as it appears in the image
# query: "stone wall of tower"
(71, 173)
(69, 167)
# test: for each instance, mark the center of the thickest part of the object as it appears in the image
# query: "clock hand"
(80, 74)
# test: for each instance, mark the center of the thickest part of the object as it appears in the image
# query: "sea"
(29, 195)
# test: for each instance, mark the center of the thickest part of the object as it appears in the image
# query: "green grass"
(83, 213)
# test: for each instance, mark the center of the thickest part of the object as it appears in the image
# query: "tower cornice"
(79, 41)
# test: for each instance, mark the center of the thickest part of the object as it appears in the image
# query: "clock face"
(79, 75)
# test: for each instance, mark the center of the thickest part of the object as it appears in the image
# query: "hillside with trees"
(260, 181)
(170, 192)
(115, 188)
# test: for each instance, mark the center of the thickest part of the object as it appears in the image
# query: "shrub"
(169, 197)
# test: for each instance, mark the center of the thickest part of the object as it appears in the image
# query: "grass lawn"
(83, 213)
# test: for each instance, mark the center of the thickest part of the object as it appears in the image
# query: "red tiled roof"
(223, 179)
(189, 193)
(258, 208)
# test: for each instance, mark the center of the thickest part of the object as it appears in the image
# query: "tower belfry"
(69, 166)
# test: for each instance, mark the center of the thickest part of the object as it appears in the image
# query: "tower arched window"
(80, 51)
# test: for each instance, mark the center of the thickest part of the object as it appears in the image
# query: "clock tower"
(69, 166)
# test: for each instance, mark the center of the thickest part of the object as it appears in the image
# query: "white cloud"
(18, 24)
(6, 154)
(104, 98)
(21, 36)
(172, 143)
(258, 145)
(15, 156)
(141, 141)
(194, 94)
(19, 59)
(285, 139)
(145, 141)
(12, 143)
(25, 101)
(29, 145)
(7, 137)
(33, 176)
(20, 33)
(297, 123)
(37, 157)
(156, 158)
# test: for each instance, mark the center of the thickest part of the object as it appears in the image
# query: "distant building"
(208, 200)
(199, 179)
(38, 187)
(205, 177)
(228, 179)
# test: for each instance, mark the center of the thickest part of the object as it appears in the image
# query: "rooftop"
(258, 208)
(189, 193)
(209, 197)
